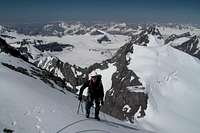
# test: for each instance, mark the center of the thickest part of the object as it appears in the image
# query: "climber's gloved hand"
(80, 98)
(102, 102)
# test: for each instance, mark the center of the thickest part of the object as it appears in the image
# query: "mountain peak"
(4, 47)
(150, 36)
(153, 30)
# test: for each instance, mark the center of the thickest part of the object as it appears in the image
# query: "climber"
(95, 94)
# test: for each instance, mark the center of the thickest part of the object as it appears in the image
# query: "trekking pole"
(78, 107)
(82, 107)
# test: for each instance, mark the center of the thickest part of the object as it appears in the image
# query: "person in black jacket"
(95, 93)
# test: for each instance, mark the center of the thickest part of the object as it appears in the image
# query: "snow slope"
(171, 78)
(28, 105)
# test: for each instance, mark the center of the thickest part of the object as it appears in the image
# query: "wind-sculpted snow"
(171, 79)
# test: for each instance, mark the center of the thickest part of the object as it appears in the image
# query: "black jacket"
(95, 90)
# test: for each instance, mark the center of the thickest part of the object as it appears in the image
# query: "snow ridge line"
(71, 125)
(86, 119)
(92, 130)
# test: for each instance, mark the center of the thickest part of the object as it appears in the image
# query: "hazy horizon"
(136, 11)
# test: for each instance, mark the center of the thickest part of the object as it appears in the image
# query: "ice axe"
(80, 105)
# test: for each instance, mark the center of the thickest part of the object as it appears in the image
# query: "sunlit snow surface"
(30, 106)
(172, 81)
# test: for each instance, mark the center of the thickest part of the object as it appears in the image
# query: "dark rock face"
(142, 39)
(174, 36)
(71, 73)
(53, 47)
(191, 47)
(119, 95)
(18, 69)
(24, 52)
(44, 75)
(7, 36)
(151, 30)
(4, 47)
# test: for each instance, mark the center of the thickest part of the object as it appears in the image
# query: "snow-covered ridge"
(171, 80)
(150, 37)
(30, 105)
(28, 69)
(32, 102)
(185, 42)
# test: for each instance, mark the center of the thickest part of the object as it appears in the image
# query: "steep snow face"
(171, 78)
(28, 105)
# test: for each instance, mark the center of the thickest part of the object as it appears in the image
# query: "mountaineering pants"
(89, 104)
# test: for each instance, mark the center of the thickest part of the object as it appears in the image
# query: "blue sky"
(180, 11)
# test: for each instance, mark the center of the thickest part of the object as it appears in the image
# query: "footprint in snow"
(41, 111)
(14, 123)
(38, 118)
(37, 127)
(27, 113)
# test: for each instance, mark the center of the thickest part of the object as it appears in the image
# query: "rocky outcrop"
(191, 47)
(174, 36)
(119, 97)
(142, 38)
(4, 47)
(34, 72)
(53, 47)
(188, 43)
(71, 74)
